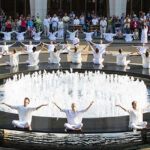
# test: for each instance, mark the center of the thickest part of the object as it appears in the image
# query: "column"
(38, 7)
(117, 7)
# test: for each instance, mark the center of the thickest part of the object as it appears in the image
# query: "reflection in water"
(75, 66)
(146, 71)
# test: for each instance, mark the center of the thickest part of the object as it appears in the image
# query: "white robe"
(88, 37)
(7, 35)
(101, 47)
(128, 37)
(33, 58)
(72, 35)
(50, 46)
(37, 36)
(52, 36)
(20, 36)
(14, 59)
(76, 57)
(67, 47)
(145, 61)
(76, 42)
(122, 59)
(144, 35)
(5, 48)
(109, 36)
(98, 57)
(142, 50)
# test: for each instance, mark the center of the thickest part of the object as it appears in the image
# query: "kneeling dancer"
(74, 117)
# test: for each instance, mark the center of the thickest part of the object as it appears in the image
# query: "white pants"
(124, 63)
(140, 125)
(20, 124)
(73, 127)
(103, 30)
(98, 61)
(46, 30)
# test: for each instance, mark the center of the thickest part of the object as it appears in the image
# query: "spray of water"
(80, 88)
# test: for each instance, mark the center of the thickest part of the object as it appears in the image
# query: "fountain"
(81, 88)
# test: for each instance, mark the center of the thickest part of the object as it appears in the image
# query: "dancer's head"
(30, 42)
(101, 41)
(147, 54)
(73, 106)
(134, 104)
(97, 50)
(14, 51)
(4, 43)
(34, 49)
(120, 51)
(75, 49)
(51, 42)
(26, 101)
(55, 50)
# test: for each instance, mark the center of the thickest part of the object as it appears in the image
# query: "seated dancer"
(14, 59)
(128, 37)
(55, 55)
(25, 114)
(7, 35)
(142, 49)
(36, 35)
(136, 116)
(76, 55)
(74, 117)
(146, 60)
(52, 36)
(33, 58)
(51, 46)
(122, 58)
(109, 37)
(5, 48)
(72, 35)
(101, 46)
(76, 41)
(20, 36)
(88, 35)
(67, 47)
(98, 56)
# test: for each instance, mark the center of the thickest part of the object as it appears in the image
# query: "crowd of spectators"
(90, 22)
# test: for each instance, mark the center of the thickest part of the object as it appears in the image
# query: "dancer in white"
(74, 117)
(136, 117)
(67, 47)
(128, 37)
(53, 36)
(76, 55)
(30, 46)
(88, 35)
(33, 58)
(101, 46)
(144, 35)
(76, 41)
(7, 35)
(109, 37)
(20, 35)
(72, 35)
(122, 58)
(14, 59)
(5, 48)
(25, 114)
(146, 60)
(36, 35)
(142, 49)
(51, 46)
(98, 56)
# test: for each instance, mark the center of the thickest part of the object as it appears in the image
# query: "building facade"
(101, 7)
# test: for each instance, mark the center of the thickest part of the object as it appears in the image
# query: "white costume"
(101, 47)
(72, 35)
(88, 37)
(122, 59)
(76, 57)
(67, 47)
(52, 36)
(37, 36)
(33, 58)
(30, 47)
(144, 35)
(136, 119)
(5, 48)
(7, 35)
(74, 119)
(128, 37)
(20, 36)
(14, 60)
(76, 42)
(25, 116)
(142, 49)
(145, 61)
(50, 47)
(55, 57)
(98, 57)
(109, 36)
